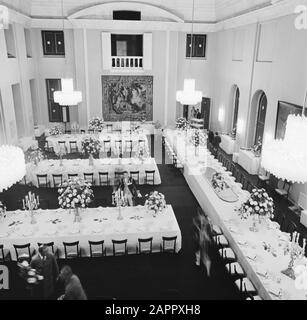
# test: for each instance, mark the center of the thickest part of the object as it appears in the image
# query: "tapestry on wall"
(127, 98)
(284, 109)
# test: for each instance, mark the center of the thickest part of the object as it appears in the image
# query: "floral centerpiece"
(155, 201)
(182, 124)
(296, 252)
(195, 138)
(74, 194)
(55, 131)
(35, 155)
(142, 152)
(2, 211)
(258, 205)
(90, 146)
(218, 182)
(257, 148)
(96, 124)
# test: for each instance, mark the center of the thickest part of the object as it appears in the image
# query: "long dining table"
(96, 224)
(263, 267)
(81, 166)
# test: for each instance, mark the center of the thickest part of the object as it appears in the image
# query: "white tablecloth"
(228, 144)
(249, 162)
(81, 166)
(103, 136)
(244, 242)
(97, 224)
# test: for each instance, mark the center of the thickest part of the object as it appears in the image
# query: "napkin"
(274, 289)
(261, 271)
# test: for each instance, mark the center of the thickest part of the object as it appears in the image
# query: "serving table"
(249, 161)
(97, 224)
(81, 166)
(262, 267)
(228, 144)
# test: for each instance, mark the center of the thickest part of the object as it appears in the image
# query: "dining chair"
(82, 131)
(144, 246)
(5, 254)
(128, 145)
(135, 175)
(109, 127)
(285, 189)
(118, 131)
(118, 145)
(168, 244)
(103, 178)
(24, 251)
(246, 286)
(73, 146)
(90, 131)
(71, 250)
(89, 177)
(72, 175)
(119, 174)
(228, 255)
(42, 181)
(47, 147)
(100, 251)
(150, 177)
(106, 145)
(62, 146)
(120, 247)
(235, 270)
(57, 180)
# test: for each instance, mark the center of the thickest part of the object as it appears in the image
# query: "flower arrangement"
(34, 154)
(218, 182)
(30, 275)
(155, 201)
(96, 124)
(195, 138)
(259, 203)
(55, 131)
(2, 211)
(75, 193)
(182, 124)
(90, 145)
(257, 147)
(142, 152)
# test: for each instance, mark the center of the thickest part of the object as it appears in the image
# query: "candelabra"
(118, 200)
(295, 251)
(31, 203)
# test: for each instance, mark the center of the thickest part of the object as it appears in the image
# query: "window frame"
(259, 123)
(192, 42)
(54, 33)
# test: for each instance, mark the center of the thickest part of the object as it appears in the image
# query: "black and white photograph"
(153, 153)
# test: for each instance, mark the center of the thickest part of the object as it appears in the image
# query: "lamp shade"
(12, 166)
(287, 159)
(67, 97)
(189, 96)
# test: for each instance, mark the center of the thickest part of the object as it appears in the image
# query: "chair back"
(150, 176)
(89, 177)
(100, 248)
(72, 175)
(169, 244)
(42, 180)
(120, 247)
(47, 244)
(71, 249)
(135, 175)
(128, 145)
(103, 178)
(73, 146)
(22, 251)
(57, 180)
(145, 245)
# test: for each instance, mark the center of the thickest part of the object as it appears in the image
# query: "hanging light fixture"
(67, 96)
(287, 159)
(12, 166)
(189, 96)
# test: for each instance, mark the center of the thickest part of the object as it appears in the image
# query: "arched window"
(2, 127)
(262, 106)
(235, 107)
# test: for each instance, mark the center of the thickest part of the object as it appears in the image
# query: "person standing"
(46, 265)
(216, 143)
(73, 287)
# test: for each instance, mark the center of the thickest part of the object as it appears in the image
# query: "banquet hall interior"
(153, 150)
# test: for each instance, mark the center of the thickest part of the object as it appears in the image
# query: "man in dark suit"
(73, 287)
(216, 143)
(46, 265)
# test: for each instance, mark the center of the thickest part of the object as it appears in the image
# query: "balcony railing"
(127, 62)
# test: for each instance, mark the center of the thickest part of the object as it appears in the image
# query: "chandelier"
(12, 166)
(189, 96)
(67, 96)
(287, 159)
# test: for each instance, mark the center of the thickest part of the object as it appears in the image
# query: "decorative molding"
(106, 9)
